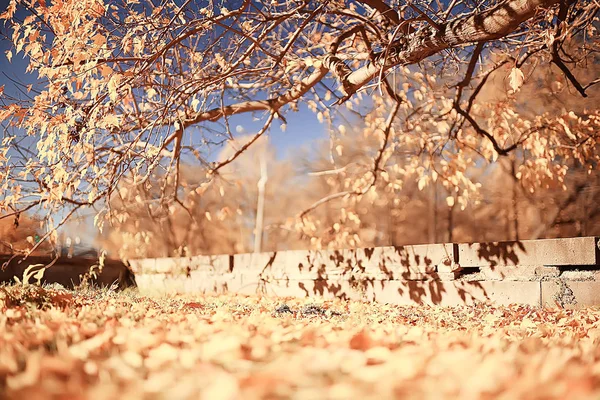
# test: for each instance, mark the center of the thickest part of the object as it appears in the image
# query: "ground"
(101, 344)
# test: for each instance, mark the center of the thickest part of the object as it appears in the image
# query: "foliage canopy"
(128, 91)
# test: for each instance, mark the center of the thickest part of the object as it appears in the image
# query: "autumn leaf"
(195, 104)
(113, 86)
(516, 79)
(361, 341)
(567, 130)
(231, 346)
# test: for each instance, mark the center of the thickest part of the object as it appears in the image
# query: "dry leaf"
(516, 79)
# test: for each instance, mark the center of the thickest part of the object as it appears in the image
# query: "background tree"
(128, 91)
(213, 219)
(459, 190)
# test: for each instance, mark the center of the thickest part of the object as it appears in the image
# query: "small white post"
(260, 207)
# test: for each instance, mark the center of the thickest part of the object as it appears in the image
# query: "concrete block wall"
(564, 272)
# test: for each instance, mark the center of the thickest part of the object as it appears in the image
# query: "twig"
(245, 146)
(386, 137)
(325, 200)
(425, 17)
(384, 10)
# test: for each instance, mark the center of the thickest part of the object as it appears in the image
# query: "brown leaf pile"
(106, 345)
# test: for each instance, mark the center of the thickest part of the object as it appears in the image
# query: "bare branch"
(273, 104)
(386, 138)
(246, 145)
(425, 16)
(324, 200)
(568, 74)
(556, 59)
(384, 10)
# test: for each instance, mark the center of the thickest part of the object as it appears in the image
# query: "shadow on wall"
(68, 272)
(502, 253)
(375, 274)
(422, 274)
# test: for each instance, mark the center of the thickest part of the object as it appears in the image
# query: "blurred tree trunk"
(433, 214)
(514, 203)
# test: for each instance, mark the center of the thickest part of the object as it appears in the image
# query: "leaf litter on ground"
(101, 344)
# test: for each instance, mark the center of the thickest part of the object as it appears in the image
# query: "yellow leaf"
(290, 65)
(418, 95)
(113, 85)
(105, 70)
(53, 236)
(196, 104)
(516, 79)
(568, 131)
(110, 120)
(151, 93)
(99, 40)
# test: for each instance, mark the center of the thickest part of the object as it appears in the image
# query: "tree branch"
(273, 104)
(325, 200)
(384, 10)
(245, 146)
(556, 59)
(487, 25)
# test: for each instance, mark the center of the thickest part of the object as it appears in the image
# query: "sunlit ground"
(100, 344)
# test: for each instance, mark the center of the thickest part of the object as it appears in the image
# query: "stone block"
(570, 294)
(375, 263)
(526, 272)
(455, 293)
(551, 252)
(217, 263)
(327, 289)
(171, 265)
(387, 263)
(518, 273)
(580, 275)
(423, 258)
(432, 292)
(143, 266)
(446, 276)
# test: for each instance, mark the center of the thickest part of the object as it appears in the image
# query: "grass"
(102, 344)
